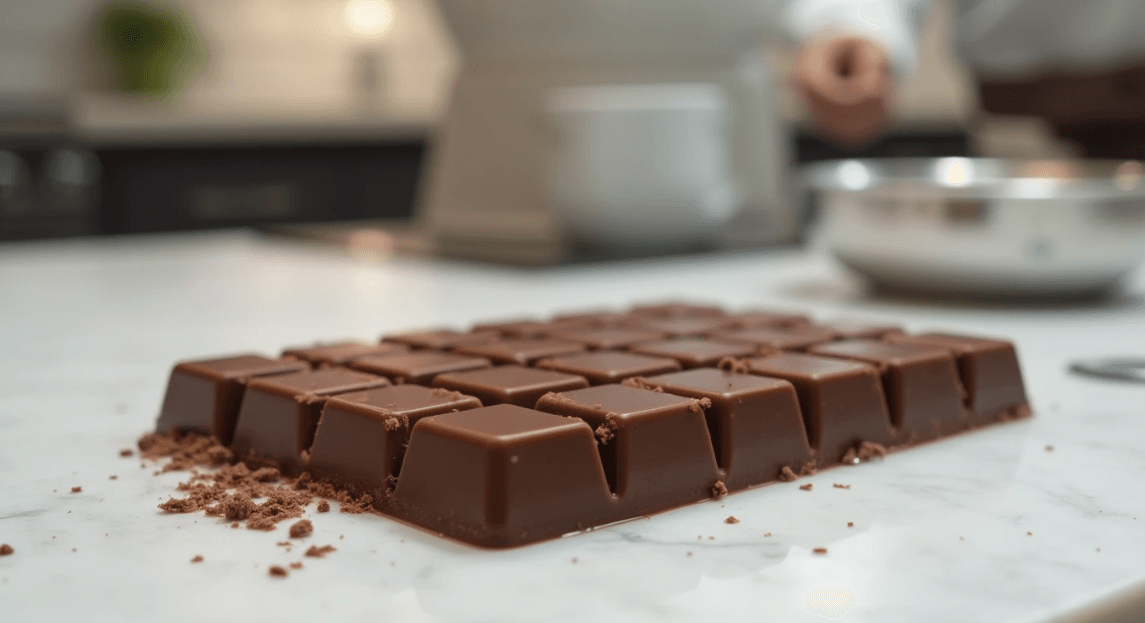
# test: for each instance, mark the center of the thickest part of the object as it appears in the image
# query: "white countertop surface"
(985, 527)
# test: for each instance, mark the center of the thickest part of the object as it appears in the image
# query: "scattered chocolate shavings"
(126, 452)
(840, 486)
(731, 520)
(731, 364)
(265, 474)
(301, 529)
(296, 565)
(315, 551)
(808, 469)
(766, 534)
(441, 392)
(7, 550)
(560, 398)
(864, 451)
(640, 382)
(786, 475)
(323, 507)
(719, 490)
(277, 571)
(1029, 534)
(806, 487)
(77, 489)
(697, 405)
(284, 544)
(197, 559)
(819, 550)
(238, 506)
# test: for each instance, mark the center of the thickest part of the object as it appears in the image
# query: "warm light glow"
(954, 171)
(853, 175)
(1129, 175)
(369, 18)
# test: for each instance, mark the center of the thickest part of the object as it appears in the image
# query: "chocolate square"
(511, 384)
(605, 367)
(605, 339)
(921, 384)
(325, 355)
(654, 446)
(989, 371)
(694, 353)
(681, 327)
(205, 395)
(361, 437)
(754, 422)
(841, 401)
(676, 309)
(280, 414)
(771, 339)
(521, 351)
(440, 339)
(418, 367)
(767, 318)
(502, 476)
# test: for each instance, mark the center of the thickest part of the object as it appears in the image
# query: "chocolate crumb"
(697, 405)
(284, 544)
(604, 434)
(820, 550)
(786, 474)
(126, 452)
(73, 550)
(808, 469)
(719, 490)
(766, 534)
(640, 382)
(574, 561)
(296, 565)
(1029, 534)
(839, 486)
(197, 559)
(731, 364)
(323, 507)
(850, 524)
(276, 571)
(864, 451)
(113, 477)
(1049, 448)
(687, 553)
(731, 520)
(1098, 550)
(77, 489)
(806, 487)
(301, 529)
(235, 525)
(711, 538)
(7, 550)
(360, 505)
(315, 551)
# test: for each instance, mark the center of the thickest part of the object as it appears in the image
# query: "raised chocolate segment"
(418, 367)
(605, 367)
(510, 384)
(605, 339)
(205, 396)
(677, 309)
(921, 385)
(856, 329)
(521, 351)
(654, 446)
(842, 401)
(769, 339)
(362, 436)
(440, 339)
(754, 422)
(515, 329)
(694, 353)
(759, 319)
(340, 353)
(501, 476)
(280, 414)
(686, 326)
(989, 371)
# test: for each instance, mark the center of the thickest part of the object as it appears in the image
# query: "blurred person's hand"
(847, 83)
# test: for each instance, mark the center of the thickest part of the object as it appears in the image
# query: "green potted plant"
(151, 49)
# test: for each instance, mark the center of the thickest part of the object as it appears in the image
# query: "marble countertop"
(991, 526)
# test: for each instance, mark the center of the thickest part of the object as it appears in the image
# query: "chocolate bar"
(524, 430)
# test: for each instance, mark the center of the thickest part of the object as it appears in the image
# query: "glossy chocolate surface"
(694, 353)
(340, 353)
(770, 339)
(605, 367)
(521, 351)
(418, 367)
(511, 384)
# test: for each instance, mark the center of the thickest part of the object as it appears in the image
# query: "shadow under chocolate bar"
(522, 431)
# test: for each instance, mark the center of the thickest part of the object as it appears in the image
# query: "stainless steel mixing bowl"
(986, 226)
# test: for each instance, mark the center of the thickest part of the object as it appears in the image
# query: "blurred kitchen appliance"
(487, 193)
(1011, 228)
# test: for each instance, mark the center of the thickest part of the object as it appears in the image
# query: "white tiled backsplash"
(280, 53)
